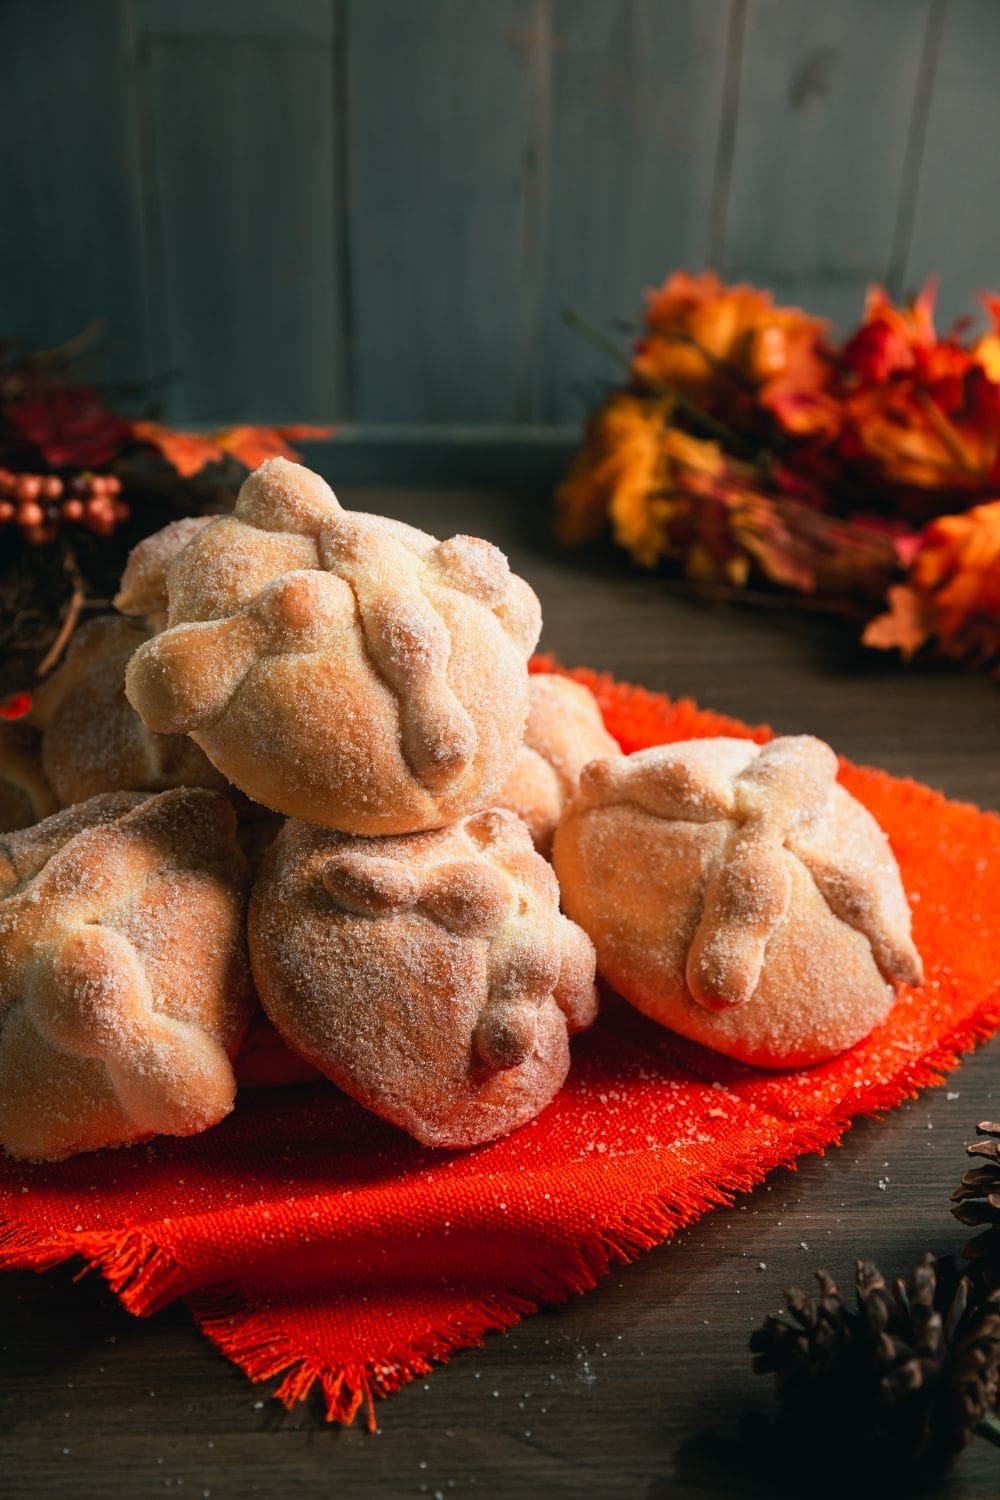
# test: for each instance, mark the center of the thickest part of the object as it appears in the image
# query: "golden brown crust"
(124, 986)
(431, 976)
(143, 587)
(93, 740)
(339, 667)
(564, 731)
(738, 895)
(25, 795)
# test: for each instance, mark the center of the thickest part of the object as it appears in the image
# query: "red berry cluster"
(39, 503)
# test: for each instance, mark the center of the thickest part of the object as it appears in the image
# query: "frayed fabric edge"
(145, 1277)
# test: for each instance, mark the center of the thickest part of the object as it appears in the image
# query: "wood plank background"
(375, 211)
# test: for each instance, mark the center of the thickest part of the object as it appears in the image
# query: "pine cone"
(892, 1386)
(977, 1201)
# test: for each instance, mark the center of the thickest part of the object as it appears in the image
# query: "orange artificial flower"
(953, 590)
(986, 350)
(923, 411)
(252, 446)
(190, 452)
(685, 516)
(668, 494)
(716, 344)
(620, 457)
(889, 338)
(187, 452)
(942, 434)
(648, 479)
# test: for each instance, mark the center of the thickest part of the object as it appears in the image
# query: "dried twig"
(77, 599)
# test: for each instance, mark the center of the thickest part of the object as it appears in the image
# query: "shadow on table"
(718, 1464)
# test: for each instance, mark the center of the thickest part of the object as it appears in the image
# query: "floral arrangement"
(747, 447)
(80, 483)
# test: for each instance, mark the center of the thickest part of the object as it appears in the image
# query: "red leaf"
(16, 706)
(70, 426)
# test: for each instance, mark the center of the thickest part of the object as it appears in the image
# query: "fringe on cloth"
(145, 1278)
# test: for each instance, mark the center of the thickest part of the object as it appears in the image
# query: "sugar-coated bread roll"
(339, 667)
(25, 795)
(737, 894)
(563, 732)
(143, 587)
(93, 740)
(124, 984)
(432, 977)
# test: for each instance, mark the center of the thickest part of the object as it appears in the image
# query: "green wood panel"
(826, 107)
(637, 106)
(240, 173)
(447, 153)
(378, 209)
(956, 228)
(70, 226)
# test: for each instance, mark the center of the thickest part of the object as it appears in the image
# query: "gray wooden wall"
(376, 210)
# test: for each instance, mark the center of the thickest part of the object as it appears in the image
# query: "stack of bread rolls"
(307, 792)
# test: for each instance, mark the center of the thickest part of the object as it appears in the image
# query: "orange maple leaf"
(952, 592)
(905, 625)
(187, 452)
(190, 452)
(715, 343)
(252, 446)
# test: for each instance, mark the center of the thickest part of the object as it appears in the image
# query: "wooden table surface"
(633, 1390)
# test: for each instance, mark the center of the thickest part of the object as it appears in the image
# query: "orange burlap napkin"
(312, 1241)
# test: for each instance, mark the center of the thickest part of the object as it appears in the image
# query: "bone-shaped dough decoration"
(124, 989)
(751, 862)
(443, 951)
(341, 667)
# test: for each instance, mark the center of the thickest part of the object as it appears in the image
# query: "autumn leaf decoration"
(80, 483)
(747, 448)
(952, 592)
(190, 452)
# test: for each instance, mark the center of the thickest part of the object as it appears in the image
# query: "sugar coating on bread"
(124, 985)
(340, 667)
(739, 895)
(25, 794)
(564, 730)
(143, 587)
(431, 976)
(93, 740)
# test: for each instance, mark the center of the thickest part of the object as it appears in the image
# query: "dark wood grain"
(633, 1390)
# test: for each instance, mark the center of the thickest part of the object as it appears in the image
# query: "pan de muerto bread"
(340, 667)
(739, 895)
(432, 976)
(124, 985)
(564, 731)
(25, 795)
(93, 739)
(143, 587)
